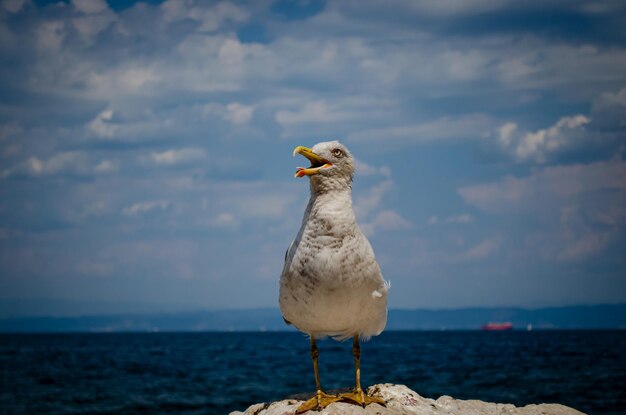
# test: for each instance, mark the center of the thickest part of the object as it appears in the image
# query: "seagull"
(331, 284)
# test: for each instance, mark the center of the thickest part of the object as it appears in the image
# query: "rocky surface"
(403, 401)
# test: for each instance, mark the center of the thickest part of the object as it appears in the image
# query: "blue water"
(214, 373)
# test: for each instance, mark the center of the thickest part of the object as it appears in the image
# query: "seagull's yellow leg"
(321, 400)
(358, 396)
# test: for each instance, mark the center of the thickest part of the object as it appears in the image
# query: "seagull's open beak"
(317, 162)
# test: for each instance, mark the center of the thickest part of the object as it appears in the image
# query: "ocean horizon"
(603, 316)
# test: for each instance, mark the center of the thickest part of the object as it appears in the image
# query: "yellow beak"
(317, 162)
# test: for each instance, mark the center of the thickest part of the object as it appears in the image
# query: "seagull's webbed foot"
(360, 398)
(318, 402)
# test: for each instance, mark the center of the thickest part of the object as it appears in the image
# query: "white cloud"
(90, 6)
(210, 17)
(9, 130)
(135, 78)
(482, 250)
(505, 132)
(229, 62)
(452, 7)
(386, 220)
(95, 16)
(67, 162)
(297, 115)
(106, 166)
(464, 218)
(459, 219)
(547, 185)
(146, 206)
(238, 113)
(536, 146)
(225, 220)
(102, 124)
(371, 211)
(13, 6)
(234, 112)
(50, 36)
(462, 65)
(174, 157)
(73, 162)
(356, 72)
(580, 207)
(589, 230)
(313, 112)
(136, 125)
(232, 52)
(369, 201)
(253, 201)
(364, 169)
(609, 110)
(474, 126)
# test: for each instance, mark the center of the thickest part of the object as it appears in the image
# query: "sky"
(146, 148)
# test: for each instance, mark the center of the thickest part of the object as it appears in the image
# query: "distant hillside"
(574, 317)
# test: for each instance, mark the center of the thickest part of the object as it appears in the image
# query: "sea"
(215, 373)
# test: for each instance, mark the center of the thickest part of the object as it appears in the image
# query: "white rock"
(403, 401)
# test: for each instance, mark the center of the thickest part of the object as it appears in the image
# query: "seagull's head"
(332, 165)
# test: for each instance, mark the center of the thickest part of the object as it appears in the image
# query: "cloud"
(386, 220)
(234, 112)
(175, 157)
(90, 6)
(107, 166)
(119, 126)
(102, 126)
(329, 117)
(146, 206)
(480, 251)
(548, 185)
(140, 124)
(537, 146)
(582, 240)
(67, 162)
(439, 9)
(94, 17)
(364, 169)
(225, 220)
(464, 218)
(210, 17)
(370, 206)
(365, 203)
(50, 36)
(238, 113)
(609, 110)
(458, 219)
(13, 6)
(581, 208)
(9, 130)
(252, 201)
(313, 112)
(474, 126)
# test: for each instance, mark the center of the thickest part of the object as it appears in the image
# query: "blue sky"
(145, 148)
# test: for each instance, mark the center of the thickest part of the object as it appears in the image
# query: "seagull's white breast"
(331, 283)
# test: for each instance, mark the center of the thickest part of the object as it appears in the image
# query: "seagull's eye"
(337, 152)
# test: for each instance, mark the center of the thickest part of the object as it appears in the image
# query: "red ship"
(497, 326)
